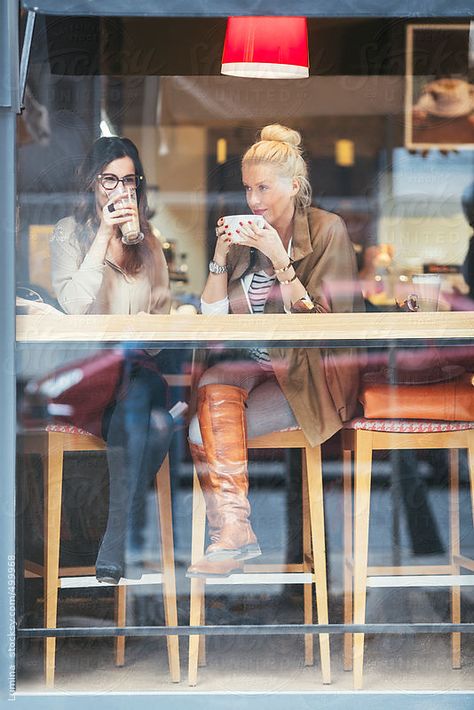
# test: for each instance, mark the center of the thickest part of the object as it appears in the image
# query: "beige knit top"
(87, 285)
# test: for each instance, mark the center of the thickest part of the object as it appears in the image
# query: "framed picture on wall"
(439, 88)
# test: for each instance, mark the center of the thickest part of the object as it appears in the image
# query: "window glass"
(135, 356)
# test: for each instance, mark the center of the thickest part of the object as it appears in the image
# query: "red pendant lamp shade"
(266, 47)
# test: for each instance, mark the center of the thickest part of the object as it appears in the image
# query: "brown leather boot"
(205, 567)
(214, 568)
(221, 413)
(212, 512)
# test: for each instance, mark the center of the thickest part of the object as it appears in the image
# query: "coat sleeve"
(330, 274)
(76, 280)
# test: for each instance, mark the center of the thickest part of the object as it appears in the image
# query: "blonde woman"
(300, 261)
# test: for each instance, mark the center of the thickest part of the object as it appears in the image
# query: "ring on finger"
(217, 231)
(111, 207)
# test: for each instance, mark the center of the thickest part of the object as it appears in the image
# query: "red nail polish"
(226, 226)
(237, 231)
(229, 233)
(241, 224)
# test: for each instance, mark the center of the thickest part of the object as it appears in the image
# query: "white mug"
(232, 224)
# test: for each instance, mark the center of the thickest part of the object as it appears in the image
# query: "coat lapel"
(301, 244)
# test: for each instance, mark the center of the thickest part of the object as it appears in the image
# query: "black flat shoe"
(109, 574)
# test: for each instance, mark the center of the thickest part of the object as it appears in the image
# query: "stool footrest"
(264, 578)
(443, 580)
(465, 562)
(79, 582)
(382, 571)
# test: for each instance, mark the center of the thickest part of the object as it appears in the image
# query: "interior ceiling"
(166, 71)
(212, 100)
(193, 46)
(190, 46)
(323, 108)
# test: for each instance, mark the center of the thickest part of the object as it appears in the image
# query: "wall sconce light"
(344, 153)
(266, 48)
(221, 151)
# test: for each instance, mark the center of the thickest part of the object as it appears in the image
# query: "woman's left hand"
(265, 239)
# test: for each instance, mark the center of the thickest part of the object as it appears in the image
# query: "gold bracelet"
(289, 281)
(285, 268)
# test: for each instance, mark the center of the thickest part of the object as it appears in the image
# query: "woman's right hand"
(222, 244)
(111, 219)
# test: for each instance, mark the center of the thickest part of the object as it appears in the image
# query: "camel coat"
(320, 384)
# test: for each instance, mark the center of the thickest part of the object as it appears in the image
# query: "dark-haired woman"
(93, 271)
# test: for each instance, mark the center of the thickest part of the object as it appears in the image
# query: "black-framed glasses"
(109, 181)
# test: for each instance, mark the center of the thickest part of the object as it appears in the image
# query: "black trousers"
(138, 430)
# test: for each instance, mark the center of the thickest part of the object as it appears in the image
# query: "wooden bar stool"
(363, 436)
(312, 570)
(51, 443)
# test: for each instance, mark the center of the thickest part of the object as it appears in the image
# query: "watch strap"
(215, 268)
(303, 305)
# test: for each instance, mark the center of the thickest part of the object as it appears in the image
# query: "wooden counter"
(309, 330)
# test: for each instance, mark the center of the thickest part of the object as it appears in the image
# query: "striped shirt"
(259, 289)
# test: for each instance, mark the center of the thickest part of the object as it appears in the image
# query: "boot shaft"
(221, 414)
(212, 510)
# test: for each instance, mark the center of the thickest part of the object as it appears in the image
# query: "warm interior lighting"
(266, 48)
(221, 150)
(344, 153)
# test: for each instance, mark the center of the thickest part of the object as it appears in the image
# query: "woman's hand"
(114, 214)
(222, 244)
(265, 239)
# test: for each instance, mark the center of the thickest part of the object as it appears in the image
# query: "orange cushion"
(447, 401)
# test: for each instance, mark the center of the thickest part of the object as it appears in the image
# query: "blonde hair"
(280, 146)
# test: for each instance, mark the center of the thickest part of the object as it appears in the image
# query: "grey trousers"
(267, 408)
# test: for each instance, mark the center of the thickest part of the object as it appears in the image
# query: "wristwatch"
(303, 305)
(216, 268)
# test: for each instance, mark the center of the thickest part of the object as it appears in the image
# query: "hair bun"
(277, 132)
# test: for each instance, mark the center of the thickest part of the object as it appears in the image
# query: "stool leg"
(307, 567)
(362, 479)
(53, 477)
(163, 493)
(197, 596)
(347, 555)
(202, 661)
(454, 547)
(120, 620)
(470, 452)
(316, 507)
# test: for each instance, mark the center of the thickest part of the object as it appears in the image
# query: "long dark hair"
(103, 151)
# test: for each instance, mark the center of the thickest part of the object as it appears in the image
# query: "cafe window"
(132, 356)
